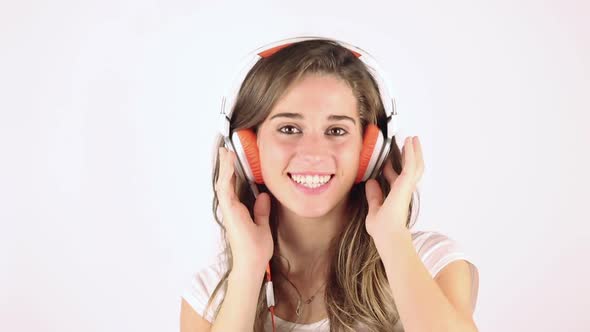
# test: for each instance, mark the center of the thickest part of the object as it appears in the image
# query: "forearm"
(238, 310)
(421, 304)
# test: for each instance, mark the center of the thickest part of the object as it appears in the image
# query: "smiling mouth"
(311, 185)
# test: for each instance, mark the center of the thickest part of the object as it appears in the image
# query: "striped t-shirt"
(434, 249)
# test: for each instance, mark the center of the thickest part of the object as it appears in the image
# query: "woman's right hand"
(250, 241)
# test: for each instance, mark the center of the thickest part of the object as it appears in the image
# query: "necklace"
(308, 301)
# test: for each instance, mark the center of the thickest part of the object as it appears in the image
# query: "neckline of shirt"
(310, 325)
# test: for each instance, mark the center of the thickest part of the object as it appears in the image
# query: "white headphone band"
(229, 98)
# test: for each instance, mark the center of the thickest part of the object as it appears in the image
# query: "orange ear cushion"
(372, 132)
(248, 141)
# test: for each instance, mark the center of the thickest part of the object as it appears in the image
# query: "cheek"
(274, 156)
(347, 149)
(349, 157)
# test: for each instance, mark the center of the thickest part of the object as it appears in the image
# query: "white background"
(108, 111)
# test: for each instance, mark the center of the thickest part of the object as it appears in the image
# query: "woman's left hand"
(389, 216)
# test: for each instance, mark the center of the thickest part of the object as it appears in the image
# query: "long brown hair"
(357, 290)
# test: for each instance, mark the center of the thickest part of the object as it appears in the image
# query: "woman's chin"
(308, 206)
(311, 210)
(310, 214)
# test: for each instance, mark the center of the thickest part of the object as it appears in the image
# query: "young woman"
(317, 204)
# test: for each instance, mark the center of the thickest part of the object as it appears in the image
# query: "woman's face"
(314, 129)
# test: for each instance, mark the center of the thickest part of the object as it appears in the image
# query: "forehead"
(318, 93)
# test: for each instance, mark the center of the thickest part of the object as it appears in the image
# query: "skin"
(310, 144)
(387, 217)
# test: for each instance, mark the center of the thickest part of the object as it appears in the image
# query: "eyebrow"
(332, 117)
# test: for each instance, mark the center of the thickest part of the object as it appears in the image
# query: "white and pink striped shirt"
(435, 250)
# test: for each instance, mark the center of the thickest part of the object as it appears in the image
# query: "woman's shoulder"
(437, 250)
(202, 284)
(422, 238)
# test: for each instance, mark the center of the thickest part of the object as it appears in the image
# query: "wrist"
(246, 274)
(393, 235)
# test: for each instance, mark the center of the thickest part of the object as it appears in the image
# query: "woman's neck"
(305, 245)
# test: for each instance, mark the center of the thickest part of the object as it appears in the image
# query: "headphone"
(376, 142)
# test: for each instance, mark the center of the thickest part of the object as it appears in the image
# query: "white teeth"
(311, 181)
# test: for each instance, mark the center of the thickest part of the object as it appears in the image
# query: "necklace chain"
(308, 301)
(299, 303)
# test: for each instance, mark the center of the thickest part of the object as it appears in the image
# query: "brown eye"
(337, 131)
(288, 132)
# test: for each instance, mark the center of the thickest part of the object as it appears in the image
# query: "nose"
(313, 148)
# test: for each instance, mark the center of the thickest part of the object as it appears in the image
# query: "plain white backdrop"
(108, 112)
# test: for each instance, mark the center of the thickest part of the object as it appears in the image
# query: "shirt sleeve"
(437, 250)
(201, 287)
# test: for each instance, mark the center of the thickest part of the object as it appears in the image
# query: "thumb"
(374, 196)
(262, 209)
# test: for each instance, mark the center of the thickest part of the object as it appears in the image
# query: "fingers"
(419, 157)
(225, 184)
(404, 154)
(374, 195)
(389, 172)
(262, 209)
(412, 159)
(414, 164)
(409, 162)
